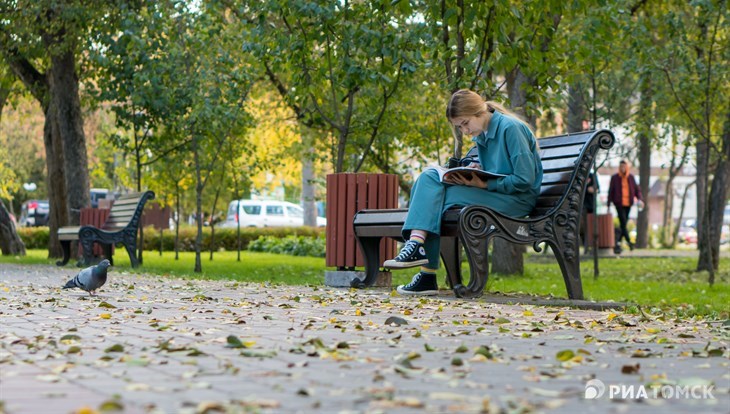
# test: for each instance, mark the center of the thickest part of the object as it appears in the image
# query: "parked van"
(266, 213)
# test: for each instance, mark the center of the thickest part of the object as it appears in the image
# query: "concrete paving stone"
(393, 369)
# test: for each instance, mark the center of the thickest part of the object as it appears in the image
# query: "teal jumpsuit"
(507, 147)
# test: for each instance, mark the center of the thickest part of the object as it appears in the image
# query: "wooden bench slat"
(556, 177)
(120, 217)
(560, 152)
(550, 190)
(561, 164)
(563, 140)
(378, 217)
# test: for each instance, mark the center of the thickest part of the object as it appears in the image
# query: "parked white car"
(266, 213)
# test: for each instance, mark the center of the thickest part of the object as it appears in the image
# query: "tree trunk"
(507, 258)
(642, 223)
(10, 242)
(177, 221)
(198, 206)
(702, 179)
(308, 178)
(310, 208)
(38, 84)
(645, 135)
(576, 108)
(710, 256)
(517, 81)
(682, 205)
(212, 216)
(4, 93)
(55, 182)
(667, 222)
(65, 102)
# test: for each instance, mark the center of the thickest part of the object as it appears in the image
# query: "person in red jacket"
(621, 192)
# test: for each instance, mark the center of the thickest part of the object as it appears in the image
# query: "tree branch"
(699, 129)
(484, 51)
(374, 133)
(27, 73)
(445, 39)
(166, 152)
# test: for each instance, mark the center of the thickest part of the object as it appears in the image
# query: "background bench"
(120, 227)
(566, 161)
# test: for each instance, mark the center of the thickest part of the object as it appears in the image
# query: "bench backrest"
(127, 211)
(566, 163)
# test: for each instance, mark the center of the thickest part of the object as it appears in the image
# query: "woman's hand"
(475, 165)
(471, 180)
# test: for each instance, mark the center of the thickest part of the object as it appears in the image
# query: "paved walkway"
(151, 344)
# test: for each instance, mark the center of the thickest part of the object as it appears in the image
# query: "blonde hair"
(466, 103)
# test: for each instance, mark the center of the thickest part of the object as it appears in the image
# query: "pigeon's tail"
(70, 284)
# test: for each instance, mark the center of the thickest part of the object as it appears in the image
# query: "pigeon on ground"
(91, 278)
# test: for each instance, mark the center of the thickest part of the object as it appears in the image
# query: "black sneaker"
(411, 255)
(421, 284)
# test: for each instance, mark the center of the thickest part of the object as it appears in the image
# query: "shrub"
(34, 237)
(291, 245)
(225, 239)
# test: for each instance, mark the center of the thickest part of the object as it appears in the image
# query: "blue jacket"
(509, 147)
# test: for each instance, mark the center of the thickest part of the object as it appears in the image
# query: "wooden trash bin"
(605, 230)
(348, 193)
(158, 217)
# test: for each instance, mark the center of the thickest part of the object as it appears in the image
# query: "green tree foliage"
(208, 87)
(337, 64)
(135, 70)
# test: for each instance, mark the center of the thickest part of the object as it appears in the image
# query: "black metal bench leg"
(87, 246)
(132, 252)
(370, 248)
(66, 247)
(478, 257)
(570, 266)
(451, 255)
(108, 252)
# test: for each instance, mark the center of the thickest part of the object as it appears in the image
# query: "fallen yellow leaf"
(105, 316)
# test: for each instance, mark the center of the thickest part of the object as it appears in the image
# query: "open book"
(447, 175)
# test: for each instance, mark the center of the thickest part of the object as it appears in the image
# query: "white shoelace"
(407, 251)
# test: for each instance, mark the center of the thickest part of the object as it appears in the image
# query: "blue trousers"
(430, 198)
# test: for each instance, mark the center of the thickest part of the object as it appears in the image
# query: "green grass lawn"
(669, 284)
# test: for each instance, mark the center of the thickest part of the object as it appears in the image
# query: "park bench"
(120, 227)
(555, 220)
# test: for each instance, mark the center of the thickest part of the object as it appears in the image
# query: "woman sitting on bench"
(506, 145)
